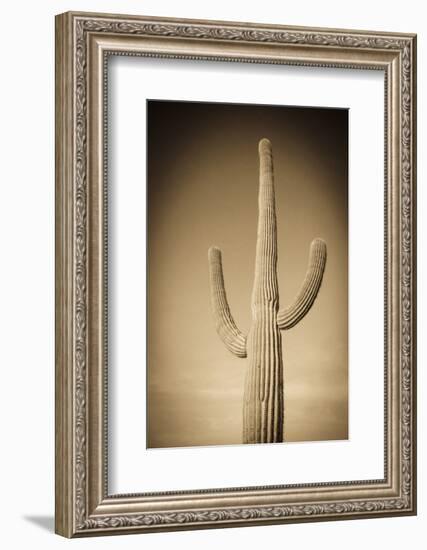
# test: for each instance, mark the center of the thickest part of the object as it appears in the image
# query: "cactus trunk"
(263, 403)
(263, 395)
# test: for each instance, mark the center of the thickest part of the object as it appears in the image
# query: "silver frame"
(83, 43)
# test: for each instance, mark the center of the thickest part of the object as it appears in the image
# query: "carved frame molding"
(83, 43)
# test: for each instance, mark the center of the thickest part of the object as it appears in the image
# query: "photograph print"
(247, 264)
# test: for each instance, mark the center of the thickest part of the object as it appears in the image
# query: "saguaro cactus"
(263, 408)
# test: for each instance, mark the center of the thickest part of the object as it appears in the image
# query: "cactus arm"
(289, 317)
(234, 340)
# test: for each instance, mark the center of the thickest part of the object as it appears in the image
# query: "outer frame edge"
(64, 383)
(63, 278)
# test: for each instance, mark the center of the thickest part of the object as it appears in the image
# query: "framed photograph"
(235, 274)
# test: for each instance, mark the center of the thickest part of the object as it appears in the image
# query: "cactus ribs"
(263, 407)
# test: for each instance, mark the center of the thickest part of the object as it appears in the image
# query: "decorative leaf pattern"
(244, 514)
(209, 31)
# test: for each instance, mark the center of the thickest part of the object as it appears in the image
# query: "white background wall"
(27, 273)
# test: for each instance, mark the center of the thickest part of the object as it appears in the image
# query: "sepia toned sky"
(203, 191)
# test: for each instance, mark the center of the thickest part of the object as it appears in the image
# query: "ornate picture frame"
(84, 42)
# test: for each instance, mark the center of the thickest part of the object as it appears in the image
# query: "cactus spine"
(263, 407)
